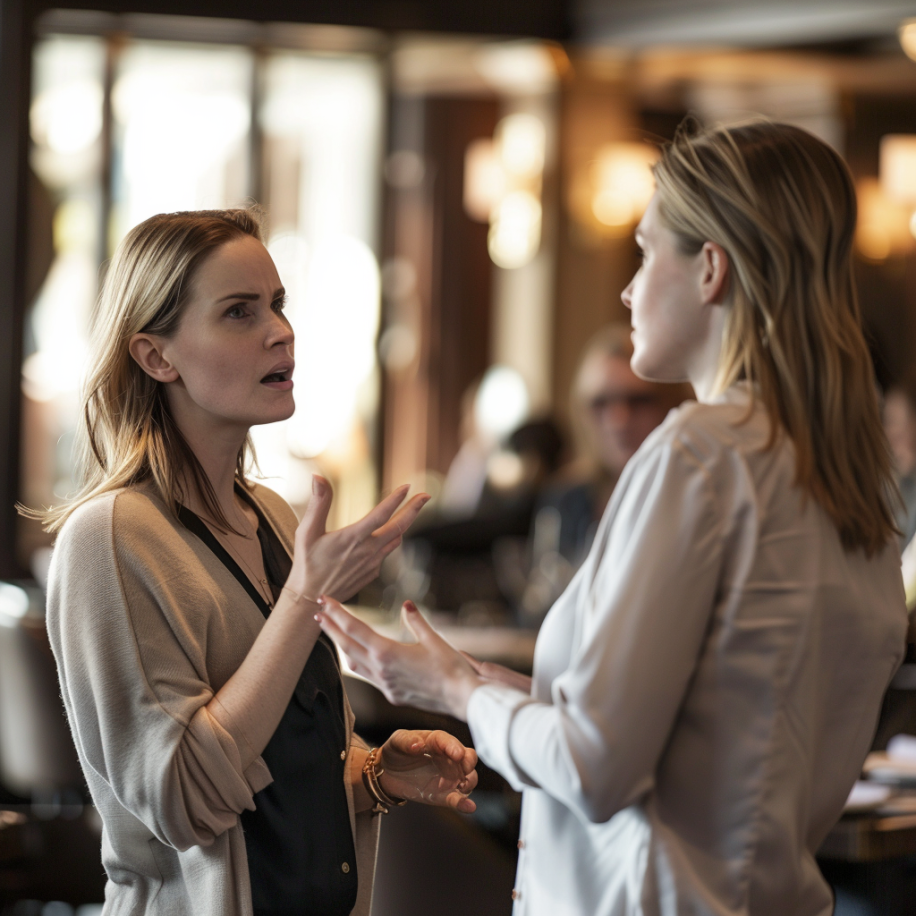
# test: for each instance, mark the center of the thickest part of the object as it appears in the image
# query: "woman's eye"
(279, 305)
(236, 311)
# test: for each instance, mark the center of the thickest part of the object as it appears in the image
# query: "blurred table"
(870, 838)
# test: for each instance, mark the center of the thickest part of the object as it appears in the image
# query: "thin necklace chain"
(262, 583)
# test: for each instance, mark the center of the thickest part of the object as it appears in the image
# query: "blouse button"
(343, 755)
(345, 868)
(516, 894)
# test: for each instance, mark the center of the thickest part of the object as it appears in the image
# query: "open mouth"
(281, 379)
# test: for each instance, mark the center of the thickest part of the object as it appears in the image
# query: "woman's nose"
(280, 331)
(627, 295)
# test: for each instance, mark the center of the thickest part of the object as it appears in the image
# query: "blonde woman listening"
(706, 689)
(207, 709)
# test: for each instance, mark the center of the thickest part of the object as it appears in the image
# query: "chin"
(277, 415)
(654, 371)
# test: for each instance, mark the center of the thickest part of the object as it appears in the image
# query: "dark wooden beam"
(15, 61)
(535, 18)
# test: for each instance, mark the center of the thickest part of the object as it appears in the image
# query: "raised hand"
(432, 767)
(429, 674)
(339, 563)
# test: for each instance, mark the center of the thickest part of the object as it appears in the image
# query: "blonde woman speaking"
(706, 689)
(208, 710)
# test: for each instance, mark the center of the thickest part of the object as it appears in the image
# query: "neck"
(217, 451)
(704, 369)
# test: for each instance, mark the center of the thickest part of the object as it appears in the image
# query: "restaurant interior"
(451, 192)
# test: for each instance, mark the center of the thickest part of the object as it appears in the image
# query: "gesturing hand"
(430, 674)
(339, 563)
(432, 767)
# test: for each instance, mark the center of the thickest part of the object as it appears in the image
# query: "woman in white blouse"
(706, 689)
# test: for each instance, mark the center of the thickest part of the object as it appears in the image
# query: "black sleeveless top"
(300, 848)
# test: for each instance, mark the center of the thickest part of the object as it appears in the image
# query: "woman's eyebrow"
(251, 297)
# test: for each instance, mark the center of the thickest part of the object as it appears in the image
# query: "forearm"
(254, 699)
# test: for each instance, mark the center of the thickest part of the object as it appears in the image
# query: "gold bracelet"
(383, 801)
(302, 597)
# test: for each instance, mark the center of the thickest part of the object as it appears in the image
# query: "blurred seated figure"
(900, 427)
(613, 411)
(450, 555)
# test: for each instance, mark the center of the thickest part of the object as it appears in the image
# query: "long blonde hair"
(127, 434)
(782, 205)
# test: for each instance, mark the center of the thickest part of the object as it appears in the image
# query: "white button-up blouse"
(704, 692)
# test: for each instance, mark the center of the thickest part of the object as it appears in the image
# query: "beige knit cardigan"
(146, 625)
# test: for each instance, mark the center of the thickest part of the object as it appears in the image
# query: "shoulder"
(102, 515)
(727, 430)
(118, 523)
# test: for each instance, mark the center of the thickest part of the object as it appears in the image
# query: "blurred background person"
(613, 411)
(900, 426)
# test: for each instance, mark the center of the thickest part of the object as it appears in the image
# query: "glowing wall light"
(502, 186)
(622, 184)
(907, 35)
(884, 225)
(484, 179)
(897, 167)
(502, 403)
(515, 230)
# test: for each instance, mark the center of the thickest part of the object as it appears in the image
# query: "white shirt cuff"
(491, 712)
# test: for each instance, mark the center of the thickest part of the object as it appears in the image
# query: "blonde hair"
(782, 205)
(127, 435)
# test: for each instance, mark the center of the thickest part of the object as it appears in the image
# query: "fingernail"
(316, 485)
(410, 606)
(320, 599)
(319, 618)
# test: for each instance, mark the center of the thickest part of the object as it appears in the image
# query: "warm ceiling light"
(907, 35)
(484, 179)
(622, 176)
(897, 167)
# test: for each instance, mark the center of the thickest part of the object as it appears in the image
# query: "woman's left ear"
(146, 349)
(715, 273)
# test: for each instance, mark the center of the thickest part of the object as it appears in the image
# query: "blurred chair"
(37, 757)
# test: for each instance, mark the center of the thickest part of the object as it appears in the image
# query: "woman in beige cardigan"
(206, 706)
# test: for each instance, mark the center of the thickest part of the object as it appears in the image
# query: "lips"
(280, 377)
(280, 373)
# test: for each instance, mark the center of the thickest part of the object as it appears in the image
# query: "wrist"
(373, 772)
(459, 690)
(300, 596)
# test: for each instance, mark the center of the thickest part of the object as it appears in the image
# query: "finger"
(408, 743)
(461, 803)
(377, 517)
(468, 784)
(403, 520)
(315, 520)
(417, 624)
(356, 652)
(443, 743)
(475, 663)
